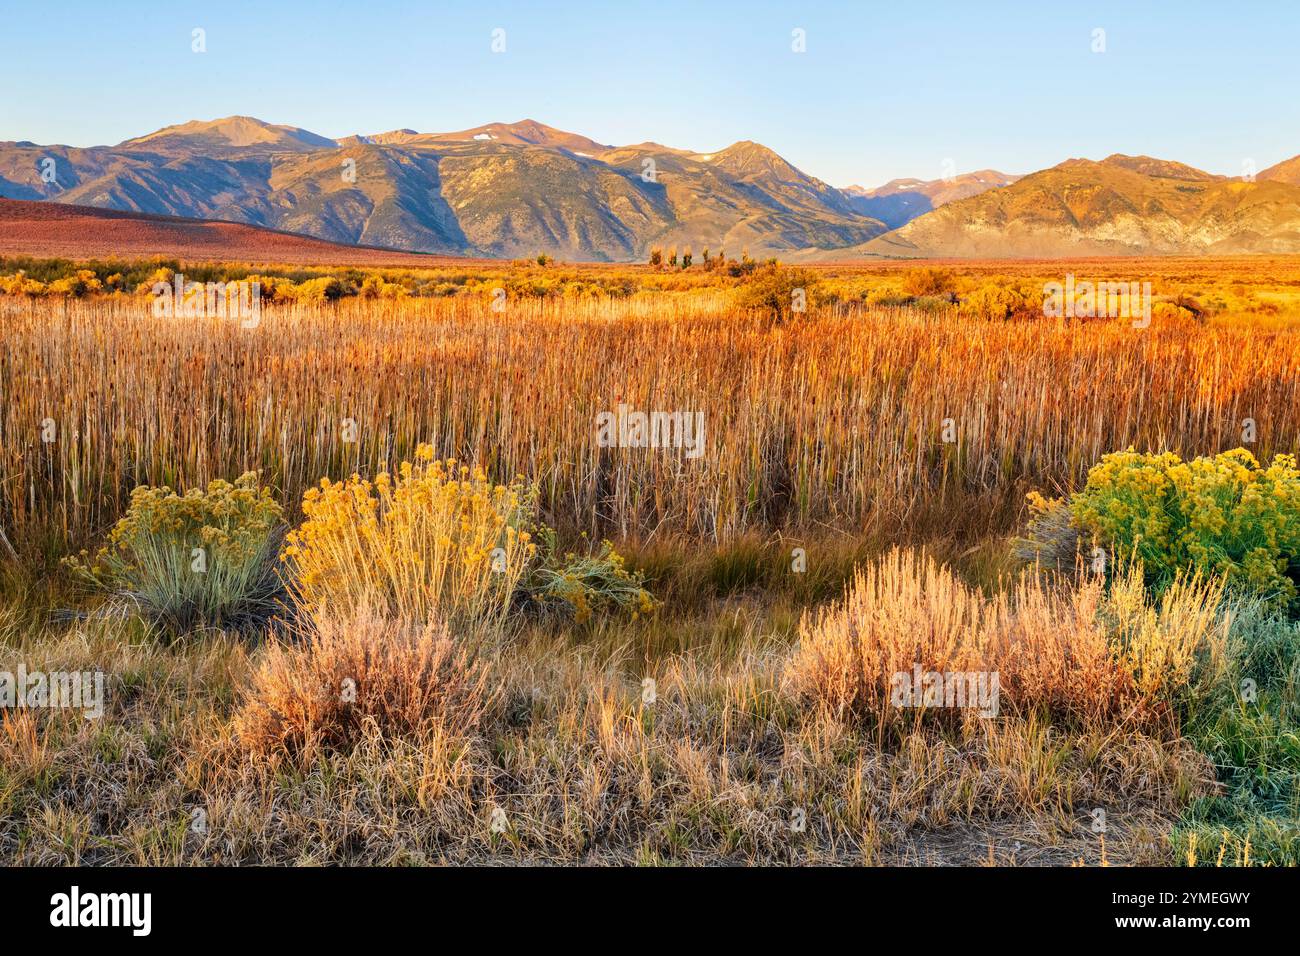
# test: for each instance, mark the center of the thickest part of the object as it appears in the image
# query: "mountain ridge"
(502, 189)
(1121, 205)
(518, 189)
(899, 201)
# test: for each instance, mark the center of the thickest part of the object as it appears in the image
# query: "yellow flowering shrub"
(929, 281)
(434, 541)
(778, 291)
(84, 282)
(206, 557)
(582, 584)
(1225, 515)
(18, 283)
(322, 289)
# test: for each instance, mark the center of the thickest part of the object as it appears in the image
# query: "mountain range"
(1122, 205)
(518, 189)
(900, 201)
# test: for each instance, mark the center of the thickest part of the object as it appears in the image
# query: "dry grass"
(1084, 655)
(837, 419)
(720, 768)
(756, 740)
(361, 675)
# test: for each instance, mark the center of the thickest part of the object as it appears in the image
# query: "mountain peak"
(747, 159)
(395, 137)
(526, 132)
(899, 201)
(233, 131)
(967, 184)
(1160, 168)
(1287, 171)
(747, 148)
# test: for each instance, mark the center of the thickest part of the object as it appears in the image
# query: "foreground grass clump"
(571, 761)
(1246, 717)
(672, 739)
(432, 542)
(364, 674)
(1223, 515)
(204, 558)
(1084, 655)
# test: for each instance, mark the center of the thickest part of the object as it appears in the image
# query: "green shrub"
(205, 558)
(934, 304)
(579, 585)
(1225, 515)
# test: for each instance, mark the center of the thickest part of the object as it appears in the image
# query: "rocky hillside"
(1122, 205)
(496, 190)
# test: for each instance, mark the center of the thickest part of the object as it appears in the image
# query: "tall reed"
(855, 418)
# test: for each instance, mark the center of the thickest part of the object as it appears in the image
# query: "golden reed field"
(443, 621)
(834, 421)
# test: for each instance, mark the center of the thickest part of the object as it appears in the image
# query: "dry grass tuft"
(721, 767)
(1079, 653)
(358, 676)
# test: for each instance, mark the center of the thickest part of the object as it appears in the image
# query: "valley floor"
(855, 511)
(578, 759)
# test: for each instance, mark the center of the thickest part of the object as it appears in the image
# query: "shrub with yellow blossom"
(206, 557)
(995, 302)
(434, 541)
(19, 283)
(83, 282)
(581, 584)
(439, 541)
(1226, 515)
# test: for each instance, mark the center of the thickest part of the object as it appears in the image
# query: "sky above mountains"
(882, 90)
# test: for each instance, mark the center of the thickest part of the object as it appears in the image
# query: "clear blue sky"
(884, 90)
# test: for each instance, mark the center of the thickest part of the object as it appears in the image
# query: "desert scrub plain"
(438, 623)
